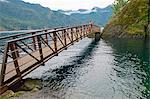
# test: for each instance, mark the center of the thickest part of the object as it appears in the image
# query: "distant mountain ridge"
(17, 14)
(100, 16)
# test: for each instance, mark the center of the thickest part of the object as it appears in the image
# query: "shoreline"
(27, 85)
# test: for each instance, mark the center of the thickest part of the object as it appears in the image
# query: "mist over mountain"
(17, 14)
(100, 16)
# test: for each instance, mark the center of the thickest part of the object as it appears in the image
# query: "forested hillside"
(18, 15)
(128, 20)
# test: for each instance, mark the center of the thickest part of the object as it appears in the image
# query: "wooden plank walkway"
(45, 47)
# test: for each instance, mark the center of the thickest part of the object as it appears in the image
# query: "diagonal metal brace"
(27, 52)
(60, 39)
(47, 44)
(26, 45)
(7, 54)
(68, 36)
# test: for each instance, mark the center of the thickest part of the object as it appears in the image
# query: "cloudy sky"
(72, 4)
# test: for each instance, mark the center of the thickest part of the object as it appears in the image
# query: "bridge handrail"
(24, 33)
(40, 30)
(52, 31)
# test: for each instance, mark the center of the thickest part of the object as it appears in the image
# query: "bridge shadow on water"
(62, 78)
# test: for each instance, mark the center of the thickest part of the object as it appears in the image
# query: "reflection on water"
(132, 66)
(108, 69)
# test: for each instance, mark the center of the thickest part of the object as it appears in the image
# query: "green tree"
(119, 4)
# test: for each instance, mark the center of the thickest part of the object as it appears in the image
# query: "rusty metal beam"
(64, 36)
(40, 49)
(3, 68)
(26, 45)
(72, 36)
(55, 41)
(47, 44)
(60, 40)
(15, 56)
(34, 41)
(27, 52)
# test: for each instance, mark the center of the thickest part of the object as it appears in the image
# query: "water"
(108, 69)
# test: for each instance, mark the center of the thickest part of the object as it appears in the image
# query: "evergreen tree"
(119, 4)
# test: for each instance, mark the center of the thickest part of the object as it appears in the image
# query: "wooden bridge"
(24, 52)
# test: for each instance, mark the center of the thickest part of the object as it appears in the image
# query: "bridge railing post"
(89, 28)
(46, 37)
(17, 52)
(72, 36)
(64, 36)
(34, 41)
(77, 36)
(15, 56)
(81, 32)
(55, 42)
(3, 68)
(40, 49)
(84, 31)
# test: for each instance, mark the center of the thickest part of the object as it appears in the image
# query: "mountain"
(17, 14)
(100, 16)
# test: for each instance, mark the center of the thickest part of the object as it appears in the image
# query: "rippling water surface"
(107, 69)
